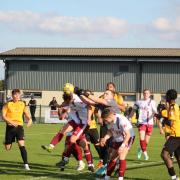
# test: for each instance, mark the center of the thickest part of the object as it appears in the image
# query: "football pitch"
(42, 163)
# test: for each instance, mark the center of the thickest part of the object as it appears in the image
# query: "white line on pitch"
(37, 178)
(145, 164)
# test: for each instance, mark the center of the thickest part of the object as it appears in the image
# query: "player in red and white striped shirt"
(146, 108)
(121, 130)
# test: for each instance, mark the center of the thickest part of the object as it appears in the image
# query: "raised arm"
(98, 100)
(86, 100)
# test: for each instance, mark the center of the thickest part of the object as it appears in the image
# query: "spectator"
(32, 107)
(53, 104)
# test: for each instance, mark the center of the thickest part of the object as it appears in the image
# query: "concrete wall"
(48, 95)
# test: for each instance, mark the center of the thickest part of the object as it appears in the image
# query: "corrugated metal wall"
(52, 75)
(159, 77)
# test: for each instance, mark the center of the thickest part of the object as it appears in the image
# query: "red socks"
(122, 167)
(143, 145)
(56, 138)
(88, 156)
(110, 167)
(77, 152)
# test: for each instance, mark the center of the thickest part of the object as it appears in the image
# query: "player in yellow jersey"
(173, 142)
(117, 97)
(118, 104)
(92, 134)
(162, 113)
(13, 116)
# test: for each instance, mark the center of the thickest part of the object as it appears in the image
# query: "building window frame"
(129, 97)
(35, 94)
(34, 67)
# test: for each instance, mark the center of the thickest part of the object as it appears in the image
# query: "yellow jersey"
(93, 124)
(166, 128)
(118, 98)
(174, 116)
(14, 111)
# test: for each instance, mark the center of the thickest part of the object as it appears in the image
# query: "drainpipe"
(139, 80)
(6, 80)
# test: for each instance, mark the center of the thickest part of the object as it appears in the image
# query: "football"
(68, 88)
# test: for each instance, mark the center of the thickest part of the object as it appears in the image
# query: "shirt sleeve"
(25, 109)
(5, 108)
(136, 105)
(120, 99)
(154, 107)
(174, 113)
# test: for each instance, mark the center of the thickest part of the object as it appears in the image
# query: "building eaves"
(93, 52)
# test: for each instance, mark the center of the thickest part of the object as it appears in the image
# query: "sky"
(89, 23)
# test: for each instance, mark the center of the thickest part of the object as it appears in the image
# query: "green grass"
(42, 163)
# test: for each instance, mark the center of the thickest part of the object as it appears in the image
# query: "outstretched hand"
(29, 123)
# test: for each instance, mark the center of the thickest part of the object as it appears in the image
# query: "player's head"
(67, 97)
(171, 95)
(108, 94)
(107, 115)
(161, 106)
(68, 88)
(16, 94)
(110, 86)
(146, 94)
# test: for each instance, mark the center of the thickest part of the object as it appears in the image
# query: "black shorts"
(92, 136)
(12, 133)
(172, 145)
(103, 130)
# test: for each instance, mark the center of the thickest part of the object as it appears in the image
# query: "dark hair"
(105, 113)
(171, 94)
(112, 92)
(111, 84)
(67, 97)
(14, 91)
(146, 90)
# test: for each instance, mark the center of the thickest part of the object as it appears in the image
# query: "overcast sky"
(89, 23)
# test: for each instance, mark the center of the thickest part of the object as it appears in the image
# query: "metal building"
(43, 71)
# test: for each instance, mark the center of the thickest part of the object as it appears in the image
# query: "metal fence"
(40, 113)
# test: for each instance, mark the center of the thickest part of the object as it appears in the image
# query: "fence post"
(40, 113)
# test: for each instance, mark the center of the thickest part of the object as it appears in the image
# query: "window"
(129, 97)
(34, 67)
(28, 94)
(123, 68)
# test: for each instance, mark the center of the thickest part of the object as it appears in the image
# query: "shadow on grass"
(136, 178)
(42, 171)
(16, 169)
(49, 154)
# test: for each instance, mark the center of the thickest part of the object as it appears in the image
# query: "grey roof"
(133, 52)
